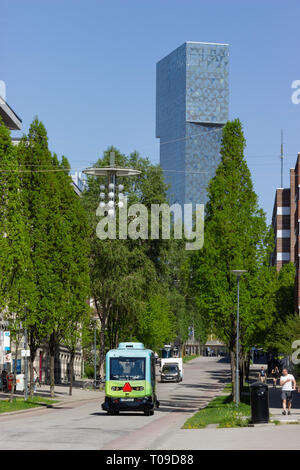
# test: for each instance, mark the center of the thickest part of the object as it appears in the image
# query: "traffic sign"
(25, 352)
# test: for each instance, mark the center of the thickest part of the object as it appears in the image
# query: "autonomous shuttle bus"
(130, 380)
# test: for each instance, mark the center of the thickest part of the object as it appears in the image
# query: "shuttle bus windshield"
(127, 368)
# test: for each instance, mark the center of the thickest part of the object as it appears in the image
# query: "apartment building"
(286, 223)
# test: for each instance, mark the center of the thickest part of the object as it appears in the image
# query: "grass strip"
(189, 358)
(222, 412)
(20, 404)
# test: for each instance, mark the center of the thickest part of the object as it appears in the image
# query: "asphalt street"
(80, 423)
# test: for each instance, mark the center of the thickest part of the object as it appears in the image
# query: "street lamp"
(108, 199)
(238, 273)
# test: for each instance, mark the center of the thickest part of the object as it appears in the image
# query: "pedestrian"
(288, 384)
(262, 374)
(35, 379)
(275, 375)
(4, 380)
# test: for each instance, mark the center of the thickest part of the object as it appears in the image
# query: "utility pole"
(281, 158)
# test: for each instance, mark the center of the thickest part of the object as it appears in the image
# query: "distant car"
(170, 373)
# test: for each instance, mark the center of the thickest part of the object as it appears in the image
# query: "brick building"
(286, 223)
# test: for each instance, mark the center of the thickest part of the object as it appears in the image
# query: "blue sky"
(87, 69)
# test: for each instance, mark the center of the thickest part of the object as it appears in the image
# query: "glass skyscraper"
(192, 94)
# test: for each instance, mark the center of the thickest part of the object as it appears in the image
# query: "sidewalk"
(61, 393)
(259, 437)
(275, 403)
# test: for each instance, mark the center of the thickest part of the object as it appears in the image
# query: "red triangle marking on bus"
(127, 387)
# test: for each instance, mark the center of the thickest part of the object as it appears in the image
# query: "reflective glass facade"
(192, 95)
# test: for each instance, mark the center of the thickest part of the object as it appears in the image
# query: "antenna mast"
(281, 158)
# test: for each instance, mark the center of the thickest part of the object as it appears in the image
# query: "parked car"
(170, 373)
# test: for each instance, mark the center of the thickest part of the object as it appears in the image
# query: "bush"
(89, 372)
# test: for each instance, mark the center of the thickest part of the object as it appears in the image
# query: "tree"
(16, 285)
(285, 325)
(156, 323)
(57, 227)
(126, 274)
(236, 237)
(40, 201)
(71, 268)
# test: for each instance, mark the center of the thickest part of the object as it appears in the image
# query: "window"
(127, 368)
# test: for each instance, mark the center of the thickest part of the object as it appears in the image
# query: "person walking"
(4, 380)
(288, 384)
(35, 379)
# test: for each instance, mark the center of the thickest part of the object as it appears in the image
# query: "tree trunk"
(52, 347)
(241, 373)
(102, 346)
(52, 379)
(232, 365)
(11, 397)
(247, 366)
(71, 372)
(33, 345)
(31, 374)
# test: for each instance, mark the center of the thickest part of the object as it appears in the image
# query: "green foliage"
(126, 275)
(285, 326)
(58, 230)
(45, 276)
(89, 371)
(20, 404)
(222, 411)
(16, 283)
(236, 237)
(156, 323)
(189, 358)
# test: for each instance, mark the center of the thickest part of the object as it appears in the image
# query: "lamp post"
(108, 200)
(111, 172)
(238, 273)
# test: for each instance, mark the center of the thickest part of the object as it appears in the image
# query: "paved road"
(81, 424)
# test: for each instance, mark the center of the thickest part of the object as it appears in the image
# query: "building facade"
(9, 117)
(286, 225)
(192, 100)
(281, 221)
